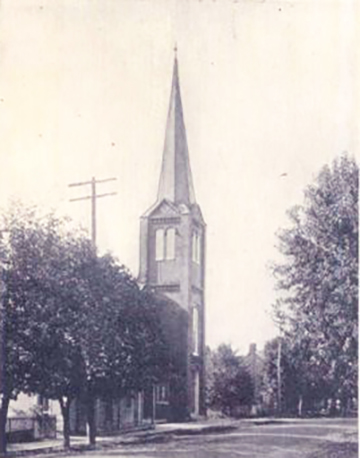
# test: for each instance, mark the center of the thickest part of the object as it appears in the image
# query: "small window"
(159, 244)
(170, 243)
(195, 326)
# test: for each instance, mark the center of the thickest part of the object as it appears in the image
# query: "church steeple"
(172, 264)
(176, 183)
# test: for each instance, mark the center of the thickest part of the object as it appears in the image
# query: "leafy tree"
(318, 279)
(76, 325)
(230, 385)
(41, 315)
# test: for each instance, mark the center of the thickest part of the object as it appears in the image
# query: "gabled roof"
(162, 208)
(176, 183)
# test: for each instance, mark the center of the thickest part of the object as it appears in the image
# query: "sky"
(269, 91)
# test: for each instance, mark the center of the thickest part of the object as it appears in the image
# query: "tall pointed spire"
(175, 180)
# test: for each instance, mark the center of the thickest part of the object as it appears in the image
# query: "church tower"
(172, 248)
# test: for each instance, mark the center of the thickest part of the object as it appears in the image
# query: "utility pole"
(93, 196)
(278, 364)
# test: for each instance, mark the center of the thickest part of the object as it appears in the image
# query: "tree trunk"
(3, 418)
(332, 407)
(65, 412)
(90, 407)
(344, 406)
(153, 413)
(300, 405)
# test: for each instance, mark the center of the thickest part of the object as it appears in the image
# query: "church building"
(172, 264)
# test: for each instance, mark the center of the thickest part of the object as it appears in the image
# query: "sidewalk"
(160, 433)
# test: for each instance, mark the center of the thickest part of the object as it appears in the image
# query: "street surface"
(315, 438)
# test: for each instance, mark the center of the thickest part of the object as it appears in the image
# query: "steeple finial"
(175, 180)
(175, 50)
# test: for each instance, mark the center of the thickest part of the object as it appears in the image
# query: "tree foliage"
(318, 279)
(229, 383)
(75, 325)
(292, 384)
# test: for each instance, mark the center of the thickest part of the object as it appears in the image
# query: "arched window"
(159, 244)
(170, 243)
(165, 244)
(195, 329)
(196, 247)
